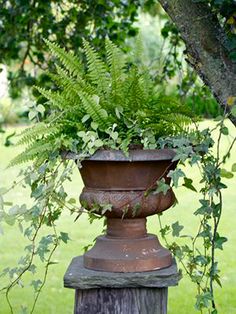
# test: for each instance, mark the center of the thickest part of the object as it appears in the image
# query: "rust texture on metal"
(110, 177)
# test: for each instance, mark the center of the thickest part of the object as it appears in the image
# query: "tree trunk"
(206, 47)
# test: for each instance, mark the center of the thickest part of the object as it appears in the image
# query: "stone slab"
(79, 277)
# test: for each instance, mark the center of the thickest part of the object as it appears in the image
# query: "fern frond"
(30, 153)
(97, 69)
(71, 85)
(55, 98)
(93, 108)
(179, 120)
(116, 63)
(134, 91)
(68, 59)
(32, 133)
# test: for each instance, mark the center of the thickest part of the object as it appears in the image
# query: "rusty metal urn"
(110, 177)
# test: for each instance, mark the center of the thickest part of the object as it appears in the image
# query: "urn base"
(127, 248)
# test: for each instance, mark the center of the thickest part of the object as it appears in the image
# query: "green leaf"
(226, 174)
(23, 310)
(64, 237)
(36, 284)
(136, 210)
(14, 210)
(225, 130)
(165, 230)
(233, 169)
(41, 109)
(10, 220)
(105, 208)
(52, 263)
(98, 143)
(162, 187)
(72, 201)
(188, 184)
(85, 118)
(204, 209)
(94, 125)
(219, 241)
(203, 300)
(175, 175)
(38, 191)
(32, 115)
(176, 229)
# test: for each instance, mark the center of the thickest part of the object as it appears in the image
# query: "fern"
(119, 99)
(116, 63)
(68, 59)
(32, 133)
(55, 98)
(97, 69)
(30, 153)
(92, 107)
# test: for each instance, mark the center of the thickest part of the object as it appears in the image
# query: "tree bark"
(206, 47)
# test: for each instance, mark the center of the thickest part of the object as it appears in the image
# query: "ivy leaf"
(162, 187)
(175, 175)
(14, 210)
(205, 208)
(52, 263)
(36, 284)
(94, 125)
(226, 174)
(64, 237)
(188, 184)
(136, 210)
(23, 310)
(233, 169)
(72, 201)
(219, 241)
(41, 109)
(217, 279)
(225, 130)
(85, 118)
(201, 260)
(105, 208)
(176, 229)
(165, 230)
(32, 269)
(32, 115)
(37, 192)
(203, 300)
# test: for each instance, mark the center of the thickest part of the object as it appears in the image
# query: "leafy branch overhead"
(108, 104)
(25, 23)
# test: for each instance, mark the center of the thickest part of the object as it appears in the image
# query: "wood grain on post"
(99, 292)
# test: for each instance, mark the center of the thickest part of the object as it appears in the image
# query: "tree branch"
(206, 47)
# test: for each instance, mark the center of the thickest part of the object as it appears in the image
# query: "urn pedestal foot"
(127, 248)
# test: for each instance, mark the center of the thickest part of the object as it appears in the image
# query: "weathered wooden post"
(100, 292)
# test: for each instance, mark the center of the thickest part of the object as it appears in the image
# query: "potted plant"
(108, 117)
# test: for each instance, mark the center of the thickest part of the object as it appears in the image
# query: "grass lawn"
(57, 300)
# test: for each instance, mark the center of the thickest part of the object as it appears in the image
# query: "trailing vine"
(91, 110)
(197, 255)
